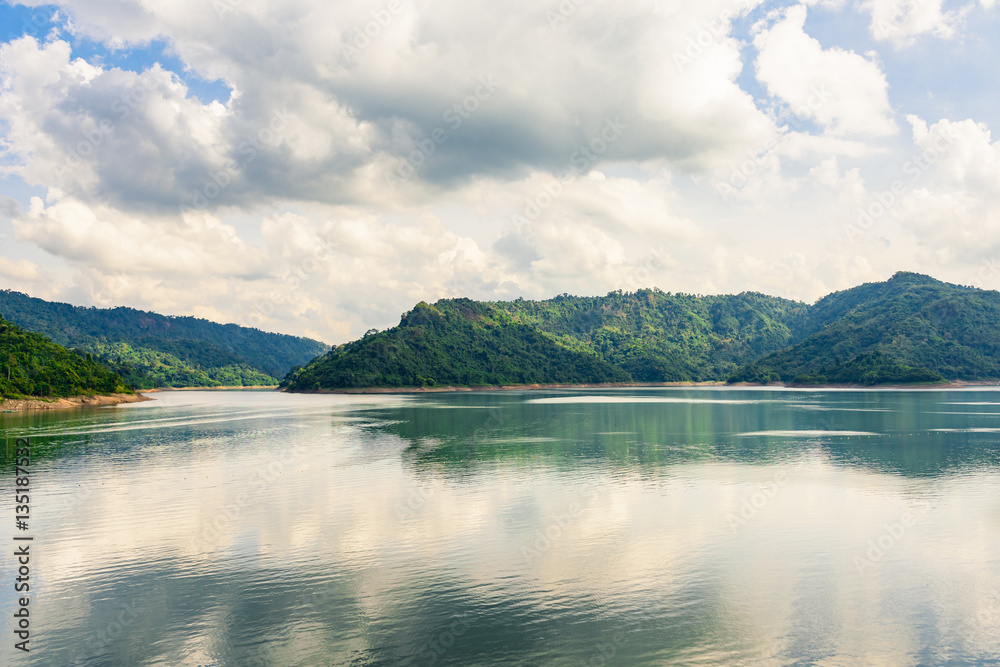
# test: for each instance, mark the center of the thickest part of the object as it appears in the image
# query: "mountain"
(645, 336)
(936, 329)
(453, 342)
(32, 365)
(662, 337)
(151, 350)
(909, 329)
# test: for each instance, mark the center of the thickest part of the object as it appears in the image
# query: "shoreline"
(956, 384)
(233, 388)
(69, 402)
(508, 387)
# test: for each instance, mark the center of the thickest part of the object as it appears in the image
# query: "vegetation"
(32, 365)
(660, 337)
(910, 329)
(940, 330)
(150, 350)
(456, 342)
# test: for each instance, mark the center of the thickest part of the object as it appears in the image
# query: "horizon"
(324, 168)
(542, 300)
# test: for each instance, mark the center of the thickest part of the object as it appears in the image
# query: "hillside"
(151, 350)
(909, 329)
(932, 327)
(660, 337)
(648, 336)
(455, 342)
(32, 365)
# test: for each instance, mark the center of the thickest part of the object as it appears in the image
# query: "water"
(584, 527)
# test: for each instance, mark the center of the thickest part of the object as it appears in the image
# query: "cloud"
(18, 269)
(509, 91)
(370, 156)
(900, 22)
(104, 237)
(842, 91)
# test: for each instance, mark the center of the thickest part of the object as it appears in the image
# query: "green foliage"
(910, 329)
(870, 369)
(150, 350)
(456, 342)
(913, 319)
(662, 337)
(145, 367)
(32, 365)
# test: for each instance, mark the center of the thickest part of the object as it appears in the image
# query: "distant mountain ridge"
(909, 329)
(151, 350)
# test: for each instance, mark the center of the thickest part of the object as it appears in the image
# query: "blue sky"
(318, 169)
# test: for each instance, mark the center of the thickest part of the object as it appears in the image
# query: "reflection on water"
(572, 527)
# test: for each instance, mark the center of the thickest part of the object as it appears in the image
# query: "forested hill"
(32, 365)
(648, 336)
(909, 329)
(660, 337)
(924, 328)
(152, 350)
(457, 342)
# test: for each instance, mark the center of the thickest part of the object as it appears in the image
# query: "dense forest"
(934, 328)
(661, 337)
(909, 329)
(32, 365)
(151, 350)
(456, 342)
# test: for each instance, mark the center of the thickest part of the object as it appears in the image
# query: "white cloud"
(902, 21)
(104, 237)
(841, 90)
(306, 235)
(18, 269)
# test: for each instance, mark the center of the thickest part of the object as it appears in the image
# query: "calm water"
(688, 527)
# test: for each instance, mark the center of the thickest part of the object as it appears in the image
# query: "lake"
(570, 527)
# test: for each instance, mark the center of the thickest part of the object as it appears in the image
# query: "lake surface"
(583, 527)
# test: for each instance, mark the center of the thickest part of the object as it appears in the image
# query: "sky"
(318, 168)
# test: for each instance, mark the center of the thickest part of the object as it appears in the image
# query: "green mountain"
(454, 342)
(937, 329)
(647, 336)
(32, 365)
(909, 329)
(150, 350)
(660, 337)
